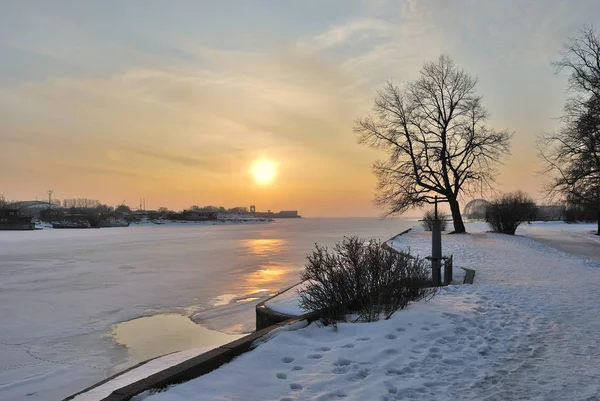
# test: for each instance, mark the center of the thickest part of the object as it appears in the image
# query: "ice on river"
(61, 291)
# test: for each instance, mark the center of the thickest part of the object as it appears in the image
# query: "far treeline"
(94, 206)
(438, 144)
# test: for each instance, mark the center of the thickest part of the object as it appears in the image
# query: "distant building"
(476, 209)
(284, 214)
(10, 219)
(289, 213)
(33, 208)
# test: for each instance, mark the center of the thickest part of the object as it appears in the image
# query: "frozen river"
(63, 291)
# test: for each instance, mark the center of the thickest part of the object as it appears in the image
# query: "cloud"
(200, 105)
(356, 31)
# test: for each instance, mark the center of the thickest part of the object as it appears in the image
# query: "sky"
(174, 101)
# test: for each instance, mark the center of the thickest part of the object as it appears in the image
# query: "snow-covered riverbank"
(63, 291)
(526, 330)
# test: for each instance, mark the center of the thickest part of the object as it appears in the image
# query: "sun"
(263, 171)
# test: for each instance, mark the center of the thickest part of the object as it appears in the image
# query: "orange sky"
(117, 106)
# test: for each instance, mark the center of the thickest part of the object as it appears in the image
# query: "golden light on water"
(269, 274)
(268, 277)
(263, 171)
(264, 246)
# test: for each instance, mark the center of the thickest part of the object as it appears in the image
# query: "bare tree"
(434, 132)
(573, 154)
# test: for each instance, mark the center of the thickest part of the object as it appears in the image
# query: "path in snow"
(566, 241)
(528, 330)
(556, 296)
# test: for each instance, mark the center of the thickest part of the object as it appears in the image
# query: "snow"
(287, 301)
(581, 230)
(528, 329)
(63, 291)
(141, 372)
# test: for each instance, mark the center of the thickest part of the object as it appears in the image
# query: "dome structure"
(475, 209)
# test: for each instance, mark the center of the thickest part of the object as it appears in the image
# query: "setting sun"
(263, 171)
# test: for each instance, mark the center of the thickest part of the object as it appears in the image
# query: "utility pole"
(436, 248)
(49, 198)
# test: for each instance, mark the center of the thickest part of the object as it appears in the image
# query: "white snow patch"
(287, 302)
(147, 369)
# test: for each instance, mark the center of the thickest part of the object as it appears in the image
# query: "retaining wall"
(190, 369)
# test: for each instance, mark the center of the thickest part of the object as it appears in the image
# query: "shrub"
(507, 212)
(363, 278)
(428, 219)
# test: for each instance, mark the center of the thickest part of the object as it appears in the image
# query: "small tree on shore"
(434, 132)
(428, 219)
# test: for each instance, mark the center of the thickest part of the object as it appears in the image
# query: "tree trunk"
(459, 226)
(598, 232)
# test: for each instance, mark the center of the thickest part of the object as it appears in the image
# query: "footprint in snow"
(324, 349)
(348, 346)
(363, 338)
(390, 387)
(342, 362)
(391, 337)
(286, 399)
(281, 376)
(296, 386)
(297, 368)
(315, 356)
(331, 396)
(425, 328)
(287, 359)
(400, 329)
(461, 330)
(360, 375)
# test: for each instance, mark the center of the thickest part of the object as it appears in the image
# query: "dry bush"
(362, 278)
(507, 212)
(429, 217)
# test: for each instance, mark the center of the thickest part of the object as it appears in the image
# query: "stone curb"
(266, 317)
(113, 377)
(189, 369)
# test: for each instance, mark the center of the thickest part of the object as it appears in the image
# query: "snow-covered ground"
(63, 291)
(528, 329)
(580, 230)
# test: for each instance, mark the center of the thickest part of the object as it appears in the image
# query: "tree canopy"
(435, 135)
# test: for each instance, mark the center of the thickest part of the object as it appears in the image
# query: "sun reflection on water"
(270, 270)
(264, 246)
